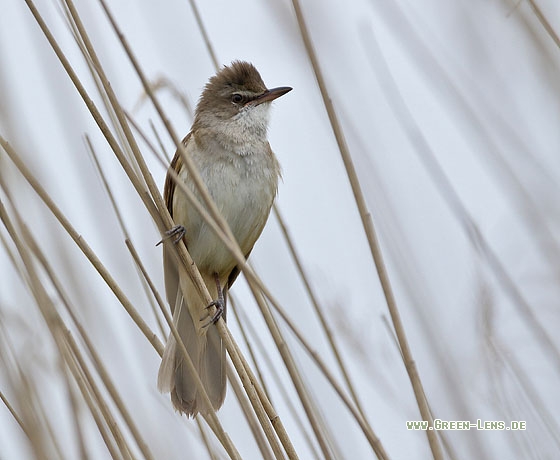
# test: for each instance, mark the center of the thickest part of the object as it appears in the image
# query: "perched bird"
(228, 144)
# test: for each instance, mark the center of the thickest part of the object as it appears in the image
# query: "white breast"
(243, 187)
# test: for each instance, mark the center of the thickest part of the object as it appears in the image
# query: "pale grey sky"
(480, 82)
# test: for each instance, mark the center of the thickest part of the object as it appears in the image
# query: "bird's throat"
(243, 134)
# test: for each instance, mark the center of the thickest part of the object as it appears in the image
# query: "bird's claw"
(219, 310)
(220, 304)
(177, 233)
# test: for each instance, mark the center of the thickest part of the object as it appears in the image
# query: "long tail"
(204, 346)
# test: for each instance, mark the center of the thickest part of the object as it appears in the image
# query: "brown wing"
(235, 272)
(169, 186)
(170, 271)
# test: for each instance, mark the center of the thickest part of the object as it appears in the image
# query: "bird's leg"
(177, 233)
(219, 303)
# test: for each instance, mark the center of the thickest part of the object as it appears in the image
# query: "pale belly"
(243, 192)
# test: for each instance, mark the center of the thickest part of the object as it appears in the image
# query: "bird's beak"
(270, 95)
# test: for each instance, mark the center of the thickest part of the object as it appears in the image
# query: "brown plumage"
(228, 145)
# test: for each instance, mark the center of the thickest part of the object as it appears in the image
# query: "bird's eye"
(236, 98)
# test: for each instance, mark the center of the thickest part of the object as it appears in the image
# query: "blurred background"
(451, 113)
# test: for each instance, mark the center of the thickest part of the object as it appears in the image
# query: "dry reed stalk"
(375, 249)
(544, 22)
(193, 272)
(244, 323)
(138, 186)
(66, 346)
(98, 364)
(321, 315)
(459, 210)
(232, 244)
(84, 247)
(238, 390)
(145, 280)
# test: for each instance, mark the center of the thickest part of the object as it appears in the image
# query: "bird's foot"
(220, 308)
(220, 303)
(177, 233)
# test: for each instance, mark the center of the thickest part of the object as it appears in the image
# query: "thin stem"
(369, 230)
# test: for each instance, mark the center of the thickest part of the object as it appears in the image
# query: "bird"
(228, 145)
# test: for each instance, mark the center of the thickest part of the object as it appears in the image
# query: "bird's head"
(237, 99)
